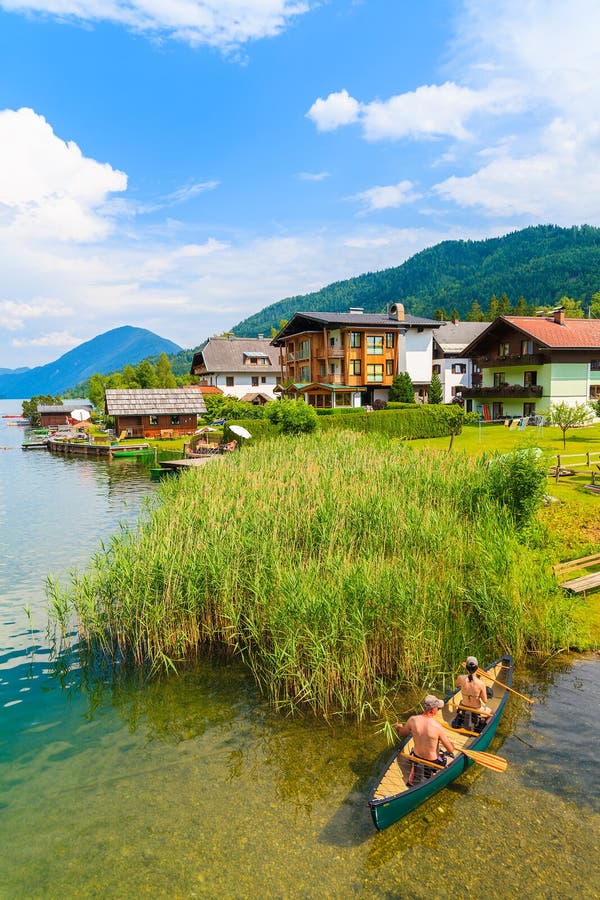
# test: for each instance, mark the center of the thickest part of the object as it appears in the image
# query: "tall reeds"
(338, 566)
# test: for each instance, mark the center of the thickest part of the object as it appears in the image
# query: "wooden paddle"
(458, 730)
(500, 684)
(489, 760)
(425, 762)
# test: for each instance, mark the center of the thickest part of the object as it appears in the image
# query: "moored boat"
(393, 798)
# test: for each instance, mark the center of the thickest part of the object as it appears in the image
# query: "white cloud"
(337, 109)
(15, 315)
(387, 196)
(47, 187)
(312, 176)
(60, 340)
(218, 23)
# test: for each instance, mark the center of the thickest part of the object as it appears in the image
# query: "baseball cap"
(432, 702)
(472, 662)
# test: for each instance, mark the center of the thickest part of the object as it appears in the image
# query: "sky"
(178, 165)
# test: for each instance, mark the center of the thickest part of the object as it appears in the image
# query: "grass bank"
(339, 566)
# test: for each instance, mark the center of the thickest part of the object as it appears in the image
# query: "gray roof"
(230, 354)
(170, 401)
(452, 338)
(67, 406)
(307, 321)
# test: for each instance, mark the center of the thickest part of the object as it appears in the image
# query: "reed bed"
(339, 566)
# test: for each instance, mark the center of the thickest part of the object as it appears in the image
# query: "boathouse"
(52, 416)
(156, 413)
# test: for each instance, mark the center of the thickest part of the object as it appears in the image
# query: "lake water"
(193, 787)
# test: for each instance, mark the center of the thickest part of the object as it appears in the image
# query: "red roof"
(207, 388)
(574, 332)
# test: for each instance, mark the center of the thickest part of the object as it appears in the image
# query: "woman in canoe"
(474, 694)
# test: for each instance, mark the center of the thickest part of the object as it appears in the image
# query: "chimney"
(397, 311)
(356, 310)
(558, 315)
(261, 337)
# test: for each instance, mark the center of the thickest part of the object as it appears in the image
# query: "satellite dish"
(80, 415)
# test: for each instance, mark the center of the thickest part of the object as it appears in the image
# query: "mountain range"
(542, 264)
(105, 353)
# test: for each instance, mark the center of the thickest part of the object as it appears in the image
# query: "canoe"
(120, 453)
(392, 798)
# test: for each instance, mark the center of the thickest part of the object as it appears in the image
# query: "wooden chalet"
(162, 412)
(350, 359)
(53, 416)
(528, 363)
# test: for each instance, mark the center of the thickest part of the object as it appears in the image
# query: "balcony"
(515, 359)
(332, 379)
(505, 391)
(329, 352)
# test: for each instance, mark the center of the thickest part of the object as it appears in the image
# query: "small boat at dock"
(393, 798)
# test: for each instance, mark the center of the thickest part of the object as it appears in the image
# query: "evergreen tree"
(492, 310)
(164, 373)
(504, 305)
(595, 305)
(455, 315)
(440, 314)
(435, 389)
(475, 314)
(402, 390)
(521, 307)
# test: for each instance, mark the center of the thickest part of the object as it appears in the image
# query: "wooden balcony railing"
(514, 359)
(504, 390)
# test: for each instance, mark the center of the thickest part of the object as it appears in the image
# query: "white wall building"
(454, 369)
(246, 368)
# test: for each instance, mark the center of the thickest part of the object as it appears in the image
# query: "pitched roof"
(574, 333)
(67, 406)
(170, 401)
(230, 355)
(453, 337)
(350, 319)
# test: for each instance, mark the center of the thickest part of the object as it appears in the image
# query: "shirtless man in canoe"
(427, 735)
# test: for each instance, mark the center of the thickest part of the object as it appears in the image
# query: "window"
(343, 399)
(389, 367)
(504, 350)
(437, 369)
(153, 420)
(594, 391)
(332, 342)
(375, 372)
(263, 379)
(355, 367)
(529, 378)
(355, 339)
(332, 368)
(375, 344)
(529, 409)
(526, 346)
(459, 368)
(499, 379)
(595, 365)
(174, 420)
(303, 349)
(389, 340)
(255, 381)
(253, 360)
(229, 381)
(304, 373)
(322, 370)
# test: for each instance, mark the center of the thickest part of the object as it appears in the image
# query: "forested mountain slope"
(542, 263)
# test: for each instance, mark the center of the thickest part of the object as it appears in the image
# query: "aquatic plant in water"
(338, 565)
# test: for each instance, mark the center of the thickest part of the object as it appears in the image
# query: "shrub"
(518, 482)
(292, 416)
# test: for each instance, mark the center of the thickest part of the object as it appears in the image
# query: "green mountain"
(542, 263)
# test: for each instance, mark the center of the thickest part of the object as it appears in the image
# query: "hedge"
(412, 421)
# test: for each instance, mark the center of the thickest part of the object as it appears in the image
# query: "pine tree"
(521, 307)
(455, 315)
(435, 389)
(402, 390)
(492, 310)
(504, 306)
(475, 314)
(146, 374)
(440, 315)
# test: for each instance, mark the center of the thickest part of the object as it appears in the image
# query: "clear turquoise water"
(192, 787)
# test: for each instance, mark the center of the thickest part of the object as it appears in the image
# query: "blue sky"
(180, 164)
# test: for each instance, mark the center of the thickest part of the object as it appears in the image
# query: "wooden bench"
(583, 583)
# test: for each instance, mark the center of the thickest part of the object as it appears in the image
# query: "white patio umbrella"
(241, 432)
